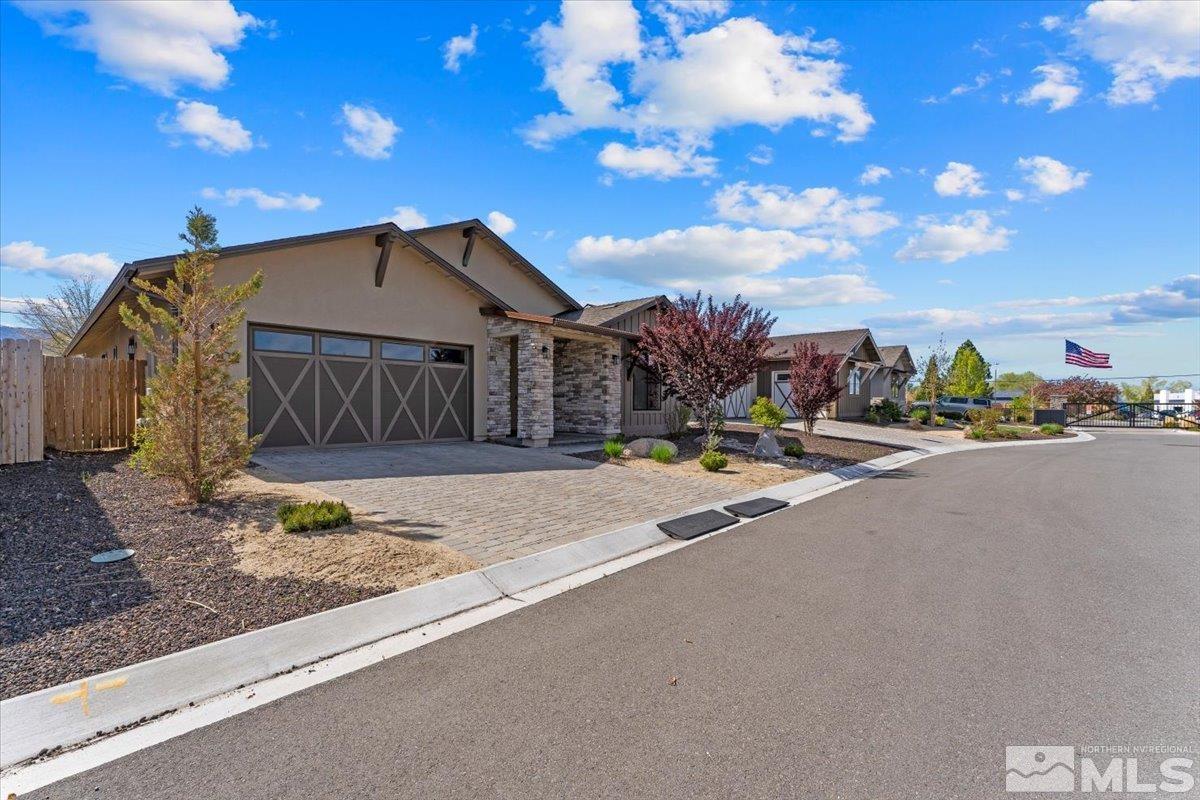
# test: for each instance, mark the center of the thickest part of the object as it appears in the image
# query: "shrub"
(297, 517)
(614, 448)
(713, 460)
(1051, 429)
(764, 412)
(1022, 409)
(794, 449)
(985, 419)
(871, 417)
(678, 417)
(939, 420)
(887, 410)
(661, 453)
(921, 414)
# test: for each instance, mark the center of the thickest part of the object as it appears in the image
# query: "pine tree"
(194, 431)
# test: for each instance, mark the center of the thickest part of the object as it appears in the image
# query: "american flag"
(1082, 357)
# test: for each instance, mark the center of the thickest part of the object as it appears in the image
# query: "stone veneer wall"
(535, 379)
(587, 386)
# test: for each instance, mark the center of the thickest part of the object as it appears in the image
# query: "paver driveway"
(489, 501)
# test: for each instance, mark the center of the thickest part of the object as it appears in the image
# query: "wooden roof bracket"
(469, 233)
(384, 242)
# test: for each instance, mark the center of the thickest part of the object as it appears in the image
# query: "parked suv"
(957, 406)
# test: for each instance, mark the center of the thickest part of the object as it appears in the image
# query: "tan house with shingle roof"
(377, 335)
(890, 380)
(859, 357)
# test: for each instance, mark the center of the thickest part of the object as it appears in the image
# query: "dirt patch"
(821, 454)
(198, 575)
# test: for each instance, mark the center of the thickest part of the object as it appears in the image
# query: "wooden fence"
(21, 432)
(91, 403)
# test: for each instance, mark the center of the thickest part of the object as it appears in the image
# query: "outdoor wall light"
(616, 359)
(132, 348)
(545, 350)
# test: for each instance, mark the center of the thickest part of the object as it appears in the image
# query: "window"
(398, 351)
(339, 346)
(282, 342)
(448, 355)
(647, 395)
(979, 401)
(855, 381)
(895, 391)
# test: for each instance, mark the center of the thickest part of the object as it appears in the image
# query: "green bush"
(921, 414)
(887, 410)
(713, 460)
(939, 420)
(613, 448)
(871, 417)
(297, 517)
(1022, 409)
(661, 453)
(1051, 429)
(764, 412)
(794, 449)
(985, 419)
(678, 417)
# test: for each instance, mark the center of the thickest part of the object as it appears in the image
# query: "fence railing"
(21, 431)
(91, 403)
(1133, 415)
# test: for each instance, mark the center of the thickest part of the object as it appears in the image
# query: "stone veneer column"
(587, 385)
(535, 385)
(499, 412)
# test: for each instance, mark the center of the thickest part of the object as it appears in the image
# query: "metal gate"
(315, 389)
(1133, 415)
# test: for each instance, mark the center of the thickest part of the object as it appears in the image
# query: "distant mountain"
(13, 332)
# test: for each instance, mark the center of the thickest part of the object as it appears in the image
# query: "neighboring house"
(379, 335)
(891, 380)
(1178, 400)
(859, 360)
(1004, 397)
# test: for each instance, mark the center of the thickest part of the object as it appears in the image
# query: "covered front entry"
(316, 389)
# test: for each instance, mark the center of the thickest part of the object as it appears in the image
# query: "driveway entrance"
(492, 502)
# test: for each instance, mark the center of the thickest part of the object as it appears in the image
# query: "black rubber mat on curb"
(756, 507)
(694, 525)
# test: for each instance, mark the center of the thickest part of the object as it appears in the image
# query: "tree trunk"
(194, 478)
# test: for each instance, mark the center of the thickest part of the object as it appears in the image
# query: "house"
(859, 360)
(891, 379)
(377, 335)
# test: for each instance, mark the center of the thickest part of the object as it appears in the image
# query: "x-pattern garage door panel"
(346, 401)
(308, 399)
(284, 399)
(402, 402)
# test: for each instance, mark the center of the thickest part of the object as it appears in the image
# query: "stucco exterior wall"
(491, 268)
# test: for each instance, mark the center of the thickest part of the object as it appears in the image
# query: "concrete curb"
(56, 717)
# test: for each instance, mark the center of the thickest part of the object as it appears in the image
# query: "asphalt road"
(888, 640)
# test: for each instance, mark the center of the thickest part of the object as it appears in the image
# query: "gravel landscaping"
(199, 574)
(821, 454)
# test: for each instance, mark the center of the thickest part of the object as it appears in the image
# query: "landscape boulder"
(640, 448)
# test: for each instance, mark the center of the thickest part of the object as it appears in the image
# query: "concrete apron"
(44, 722)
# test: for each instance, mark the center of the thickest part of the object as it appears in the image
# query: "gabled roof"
(894, 354)
(504, 247)
(149, 267)
(608, 313)
(840, 343)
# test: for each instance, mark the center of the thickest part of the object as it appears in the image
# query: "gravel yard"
(821, 454)
(199, 575)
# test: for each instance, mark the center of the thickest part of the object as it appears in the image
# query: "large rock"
(767, 445)
(640, 448)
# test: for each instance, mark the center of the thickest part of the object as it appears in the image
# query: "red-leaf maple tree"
(702, 352)
(1076, 389)
(814, 380)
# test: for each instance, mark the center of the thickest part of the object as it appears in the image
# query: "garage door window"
(447, 355)
(282, 342)
(398, 351)
(339, 346)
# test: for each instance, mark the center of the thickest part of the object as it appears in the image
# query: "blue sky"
(1036, 166)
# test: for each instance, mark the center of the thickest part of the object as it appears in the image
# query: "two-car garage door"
(309, 388)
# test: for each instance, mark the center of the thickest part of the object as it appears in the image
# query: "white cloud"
(406, 217)
(368, 133)
(1147, 45)
(264, 201)
(29, 257)
(968, 234)
(1059, 87)
(658, 161)
(679, 259)
(820, 210)
(680, 15)
(161, 46)
(761, 154)
(1051, 23)
(683, 89)
(1051, 177)
(459, 47)
(1178, 299)
(501, 223)
(794, 292)
(1014, 195)
(873, 174)
(958, 180)
(208, 129)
